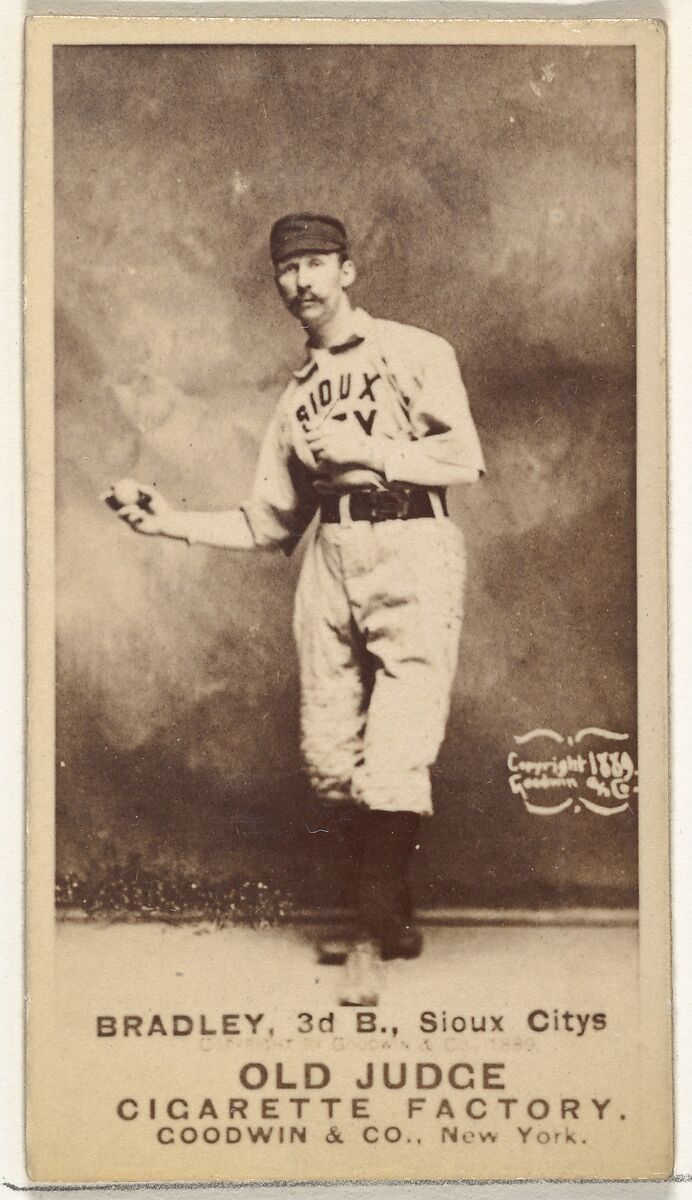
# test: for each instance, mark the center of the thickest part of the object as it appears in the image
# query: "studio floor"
(483, 964)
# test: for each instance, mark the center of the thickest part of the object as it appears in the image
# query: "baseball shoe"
(406, 942)
(333, 951)
(361, 985)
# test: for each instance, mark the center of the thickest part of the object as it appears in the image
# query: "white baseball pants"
(377, 622)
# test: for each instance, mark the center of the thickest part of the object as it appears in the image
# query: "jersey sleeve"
(443, 443)
(282, 501)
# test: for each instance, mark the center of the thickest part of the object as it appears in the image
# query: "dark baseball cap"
(298, 233)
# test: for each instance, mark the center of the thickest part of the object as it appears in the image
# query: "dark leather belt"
(370, 504)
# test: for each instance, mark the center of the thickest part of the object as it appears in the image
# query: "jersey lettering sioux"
(400, 384)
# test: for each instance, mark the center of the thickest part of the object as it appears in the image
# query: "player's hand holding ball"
(139, 505)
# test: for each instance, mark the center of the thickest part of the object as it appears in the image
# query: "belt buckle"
(387, 505)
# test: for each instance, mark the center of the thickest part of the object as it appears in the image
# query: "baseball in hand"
(126, 491)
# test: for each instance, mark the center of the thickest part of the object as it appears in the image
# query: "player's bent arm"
(435, 461)
(445, 450)
(426, 471)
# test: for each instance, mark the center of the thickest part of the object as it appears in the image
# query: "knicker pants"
(377, 621)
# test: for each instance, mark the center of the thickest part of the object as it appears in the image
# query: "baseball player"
(370, 431)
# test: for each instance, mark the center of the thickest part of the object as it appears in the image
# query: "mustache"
(306, 296)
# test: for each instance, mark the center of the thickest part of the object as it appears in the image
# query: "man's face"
(312, 285)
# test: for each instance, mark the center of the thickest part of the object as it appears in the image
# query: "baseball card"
(347, 723)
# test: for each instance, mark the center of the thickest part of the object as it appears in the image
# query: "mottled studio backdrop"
(490, 195)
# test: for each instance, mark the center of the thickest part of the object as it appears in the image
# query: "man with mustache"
(371, 430)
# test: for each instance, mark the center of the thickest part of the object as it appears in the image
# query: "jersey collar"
(360, 323)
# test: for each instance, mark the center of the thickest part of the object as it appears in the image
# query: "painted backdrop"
(490, 196)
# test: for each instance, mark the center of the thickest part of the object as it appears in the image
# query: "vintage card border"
(649, 39)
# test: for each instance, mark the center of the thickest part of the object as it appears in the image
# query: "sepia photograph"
(346, 470)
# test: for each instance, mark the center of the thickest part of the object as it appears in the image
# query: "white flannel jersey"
(401, 384)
